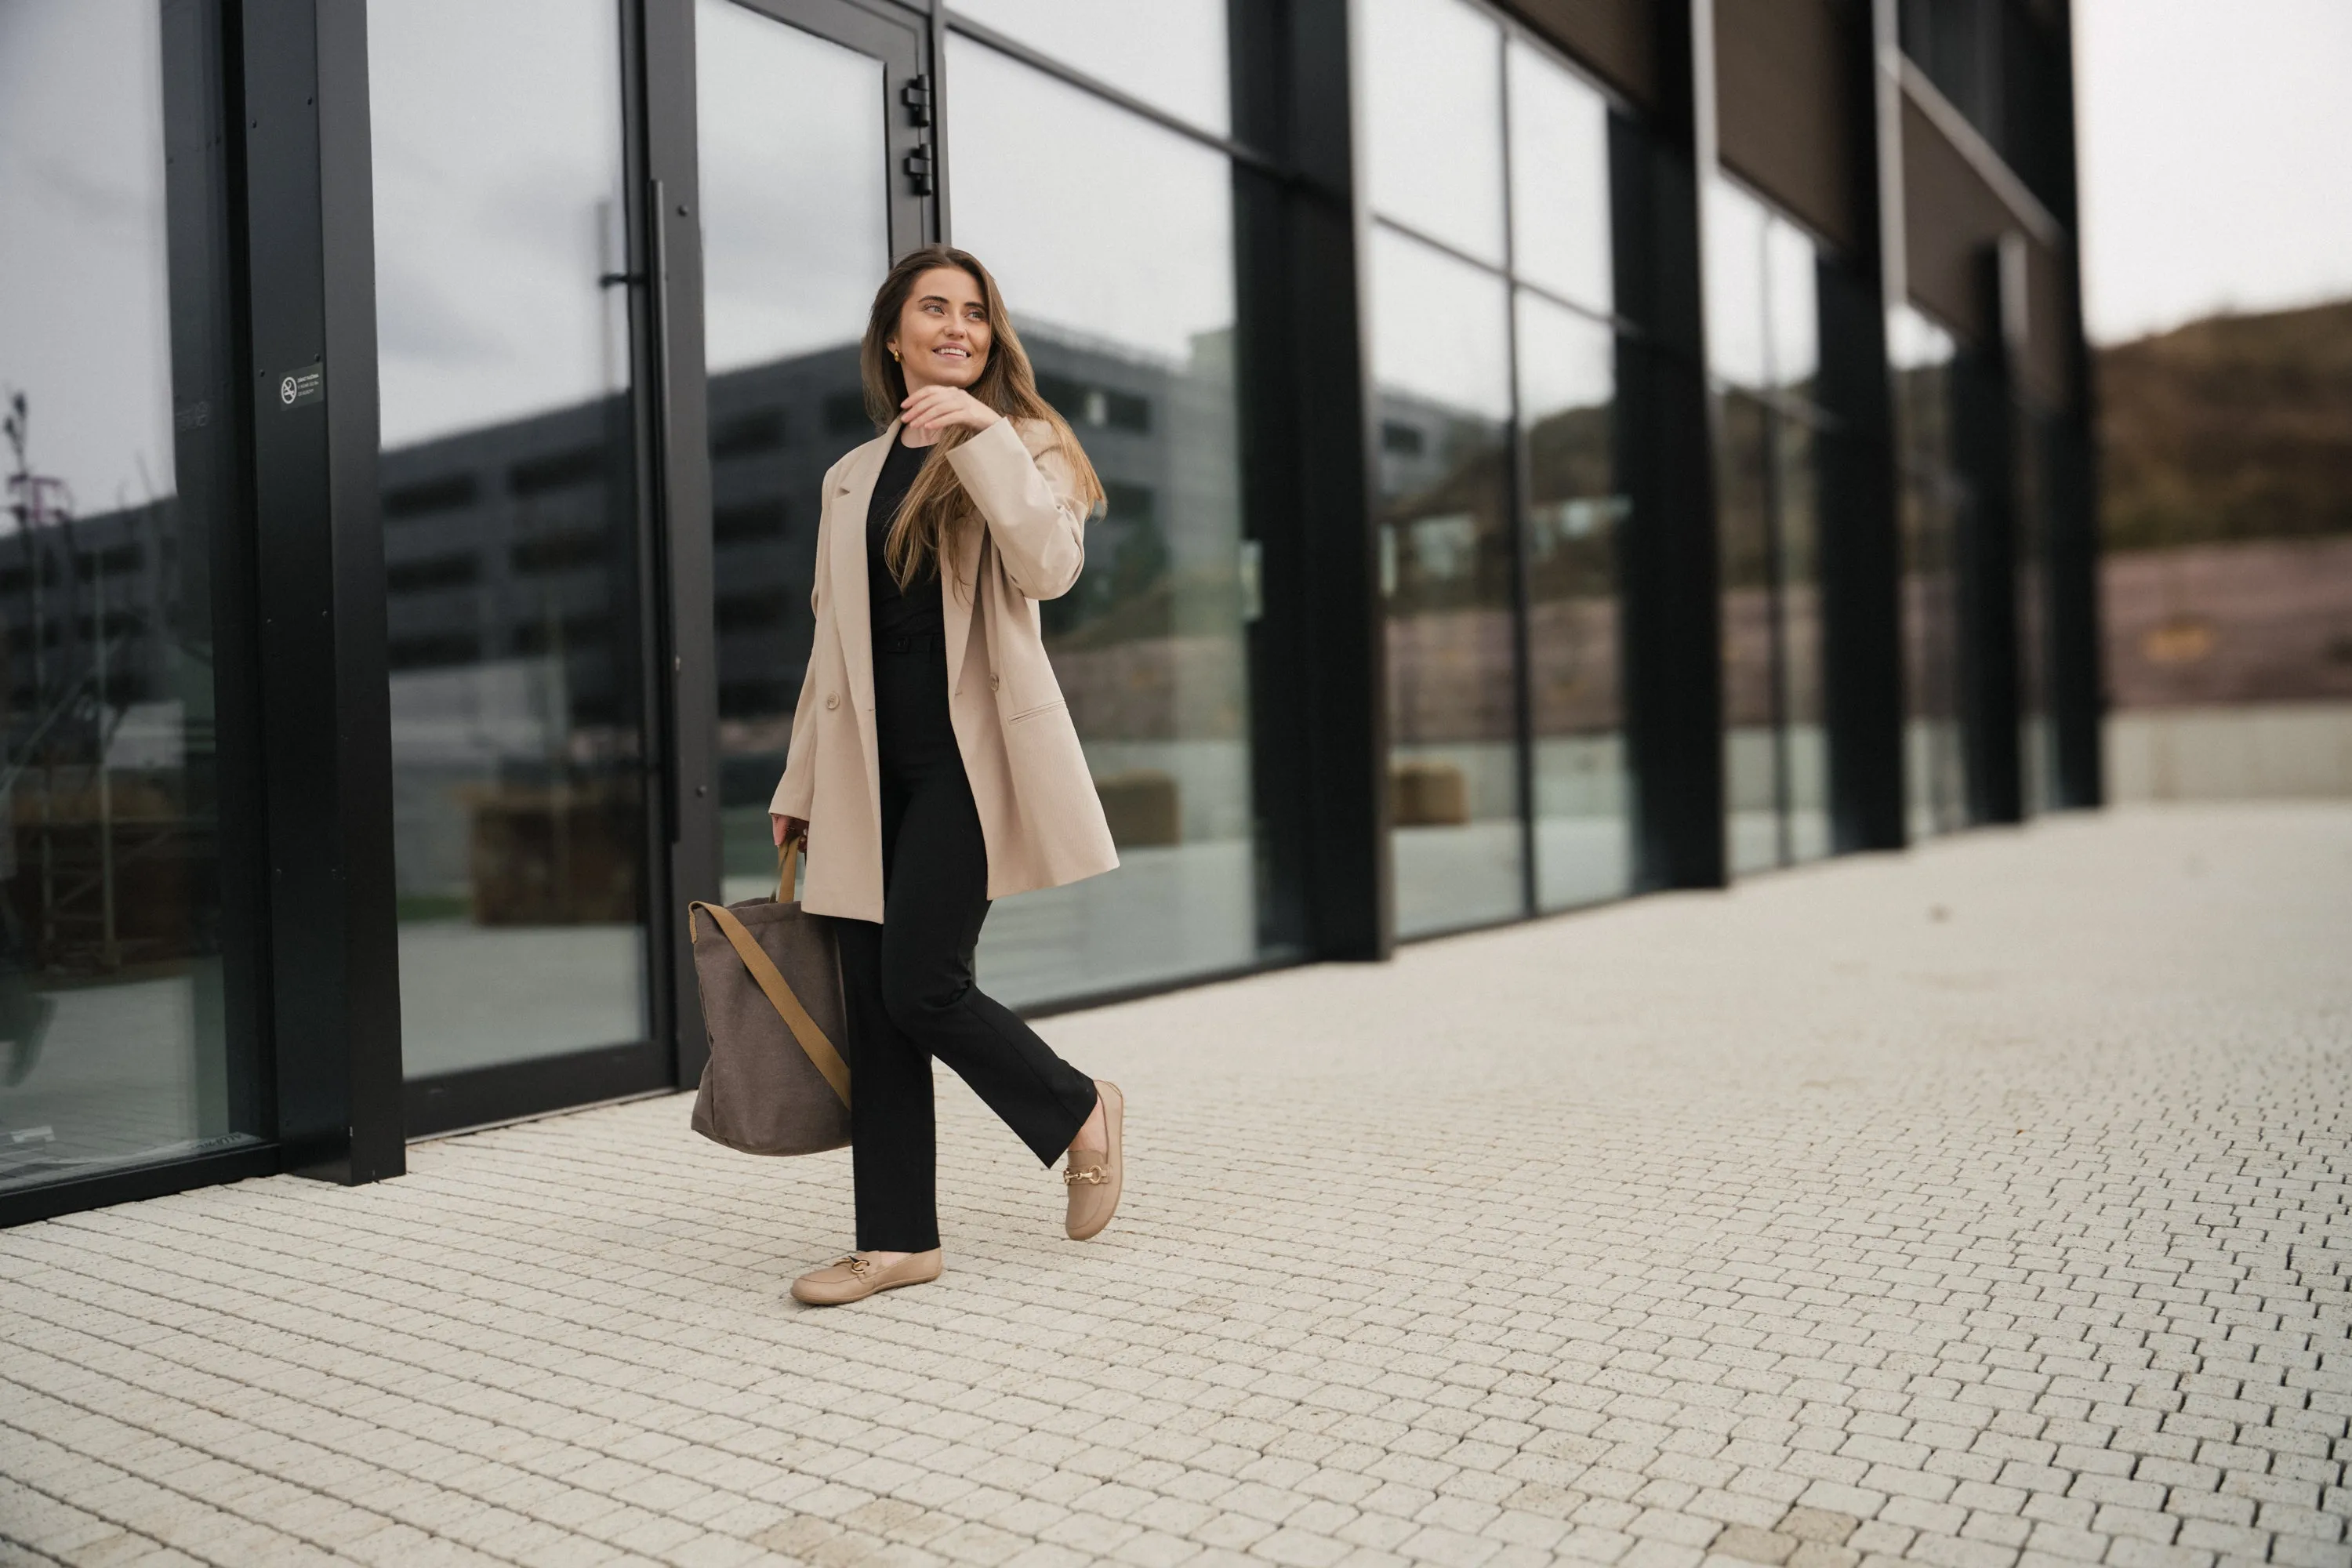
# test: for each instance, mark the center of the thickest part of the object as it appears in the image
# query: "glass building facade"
(1126, 304)
(126, 947)
(1522, 491)
(1492, 348)
(1764, 356)
(1935, 503)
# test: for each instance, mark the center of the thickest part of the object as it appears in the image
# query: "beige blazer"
(1039, 815)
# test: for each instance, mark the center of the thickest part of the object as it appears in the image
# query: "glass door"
(811, 137)
(513, 538)
(547, 539)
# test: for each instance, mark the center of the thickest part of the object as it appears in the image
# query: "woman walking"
(933, 766)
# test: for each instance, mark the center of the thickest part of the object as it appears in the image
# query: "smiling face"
(943, 334)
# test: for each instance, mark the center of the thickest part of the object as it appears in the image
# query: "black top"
(916, 610)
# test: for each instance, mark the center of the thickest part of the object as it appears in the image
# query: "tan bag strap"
(771, 982)
(788, 856)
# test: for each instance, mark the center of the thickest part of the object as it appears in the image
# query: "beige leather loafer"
(1095, 1179)
(857, 1276)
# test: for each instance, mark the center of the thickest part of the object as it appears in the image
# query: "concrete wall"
(2269, 751)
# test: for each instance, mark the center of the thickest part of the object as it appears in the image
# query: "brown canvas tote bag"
(771, 982)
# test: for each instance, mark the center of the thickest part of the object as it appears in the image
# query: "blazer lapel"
(960, 591)
(852, 610)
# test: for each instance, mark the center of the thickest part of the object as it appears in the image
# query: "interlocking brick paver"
(1984, 1207)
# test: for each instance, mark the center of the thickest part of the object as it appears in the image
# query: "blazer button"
(992, 683)
(832, 699)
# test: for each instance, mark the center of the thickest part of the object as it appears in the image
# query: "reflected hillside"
(1446, 565)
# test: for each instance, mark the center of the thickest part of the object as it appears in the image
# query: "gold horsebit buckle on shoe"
(858, 1267)
(1094, 1175)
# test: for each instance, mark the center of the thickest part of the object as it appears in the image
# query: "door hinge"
(917, 165)
(917, 95)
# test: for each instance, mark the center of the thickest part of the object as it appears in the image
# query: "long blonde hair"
(936, 509)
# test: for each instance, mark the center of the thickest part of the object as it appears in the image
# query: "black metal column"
(327, 749)
(1984, 441)
(1318, 668)
(1670, 570)
(1860, 565)
(670, 413)
(2077, 689)
(1861, 538)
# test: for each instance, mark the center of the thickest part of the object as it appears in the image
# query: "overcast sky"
(84, 327)
(2213, 138)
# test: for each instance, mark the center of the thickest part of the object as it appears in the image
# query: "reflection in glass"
(788, 124)
(1559, 181)
(1125, 302)
(1441, 324)
(1441, 361)
(1737, 311)
(509, 529)
(1805, 751)
(1763, 339)
(1791, 307)
(1575, 513)
(115, 1045)
(1751, 739)
(1933, 503)
(1433, 119)
(1169, 53)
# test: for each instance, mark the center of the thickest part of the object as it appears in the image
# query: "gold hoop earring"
(894, 354)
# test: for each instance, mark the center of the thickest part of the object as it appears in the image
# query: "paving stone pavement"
(1983, 1206)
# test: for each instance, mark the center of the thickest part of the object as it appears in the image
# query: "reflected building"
(110, 833)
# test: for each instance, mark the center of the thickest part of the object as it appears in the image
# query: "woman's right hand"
(787, 828)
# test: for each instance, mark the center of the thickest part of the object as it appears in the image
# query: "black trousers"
(909, 981)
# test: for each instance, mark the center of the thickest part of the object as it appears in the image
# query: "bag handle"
(788, 856)
(819, 1050)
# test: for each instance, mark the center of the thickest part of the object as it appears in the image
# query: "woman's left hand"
(938, 408)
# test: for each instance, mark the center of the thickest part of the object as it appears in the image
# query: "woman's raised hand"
(936, 408)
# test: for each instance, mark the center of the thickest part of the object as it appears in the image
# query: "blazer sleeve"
(1034, 515)
(797, 788)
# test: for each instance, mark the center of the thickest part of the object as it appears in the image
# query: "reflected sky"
(775, 283)
(1793, 305)
(84, 317)
(1565, 360)
(1763, 300)
(1560, 180)
(1433, 119)
(1169, 53)
(1439, 328)
(1913, 340)
(1154, 270)
(498, 205)
(1736, 221)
